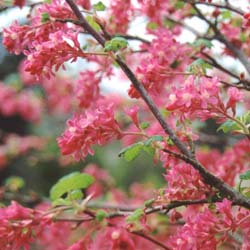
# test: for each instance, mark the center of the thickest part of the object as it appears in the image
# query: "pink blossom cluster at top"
(23, 103)
(210, 228)
(122, 9)
(43, 38)
(61, 47)
(156, 70)
(199, 98)
(85, 130)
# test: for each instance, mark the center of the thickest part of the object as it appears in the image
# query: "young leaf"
(132, 151)
(70, 182)
(99, 6)
(245, 176)
(92, 23)
(45, 17)
(228, 126)
(135, 216)
(202, 42)
(116, 44)
(100, 215)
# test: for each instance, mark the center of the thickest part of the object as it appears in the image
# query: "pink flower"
(246, 21)
(184, 183)
(123, 10)
(16, 227)
(87, 89)
(61, 47)
(86, 130)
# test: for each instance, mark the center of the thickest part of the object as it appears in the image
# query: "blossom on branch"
(85, 130)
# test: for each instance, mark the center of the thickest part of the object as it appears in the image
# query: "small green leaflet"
(135, 216)
(245, 176)
(228, 126)
(115, 44)
(92, 23)
(242, 126)
(69, 183)
(14, 183)
(100, 215)
(202, 42)
(45, 17)
(99, 6)
(198, 66)
(131, 152)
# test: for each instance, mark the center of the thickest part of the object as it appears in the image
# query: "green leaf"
(170, 142)
(226, 14)
(149, 203)
(75, 195)
(202, 42)
(245, 176)
(199, 66)
(100, 215)
(45, 17)
(92, 23)
(153, 138)
(152, 26)
(131, 152)
(116, 44)
(61, 202)
(69, 183)
(144, 125)
(228, 126)
(99, 6)
(14, 183)
(179, 5)
(135, 216)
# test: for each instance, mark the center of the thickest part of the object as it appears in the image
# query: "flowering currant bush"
(179, 82)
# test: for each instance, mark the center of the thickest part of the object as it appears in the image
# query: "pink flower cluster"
(184, 183)
(60, 47)
(166, 56)
(199, 98)
(86, 130)
(43, 38)
(87, 89)
(16, 227)
(123, 10)
(210, 228)
(230, 164)
(23, 103)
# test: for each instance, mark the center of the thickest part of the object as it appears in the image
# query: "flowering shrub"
(176, 89)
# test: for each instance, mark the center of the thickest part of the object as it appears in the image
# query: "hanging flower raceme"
(209, 228)
(61, 47)
(16, 227)
(201, 99)
(157, 70)
(86, 130)
(87, 88)
(185, 183)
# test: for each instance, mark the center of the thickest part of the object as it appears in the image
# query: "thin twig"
(220, 37)
(149, 238)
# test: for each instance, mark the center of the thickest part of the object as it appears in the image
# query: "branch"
(220, 37)
(221, 6)
(149, 238)
(187, 156)
(136, 83)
